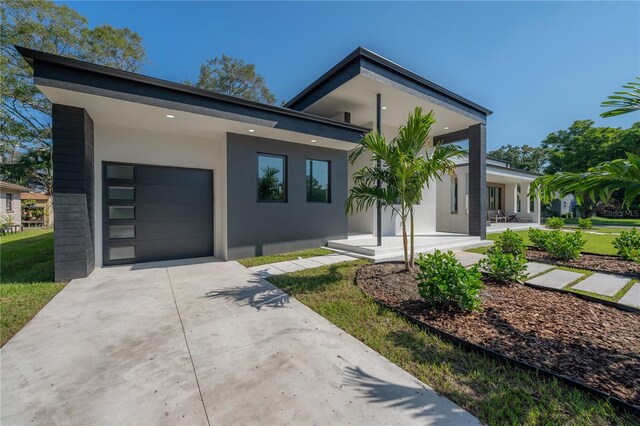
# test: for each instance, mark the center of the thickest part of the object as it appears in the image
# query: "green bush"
(555, 222)
(538, 238)
(509, 242)
(504, 267)
(585, 223)
(565, 245)
(442, 280)
(628, 245)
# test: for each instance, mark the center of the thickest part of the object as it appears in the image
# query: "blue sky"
(538, 66)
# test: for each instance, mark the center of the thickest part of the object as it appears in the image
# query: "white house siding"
(144, 146)
(447, 221)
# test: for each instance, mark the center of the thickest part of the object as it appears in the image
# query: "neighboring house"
(147, 169)
(43, 202)
(563, 205)
(10, 205)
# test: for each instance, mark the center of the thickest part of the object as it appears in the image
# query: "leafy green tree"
(270, 188)
(623, 102)
(525, 157)
(403, 166)
(33, 168)
(43, 25)
(235, 77)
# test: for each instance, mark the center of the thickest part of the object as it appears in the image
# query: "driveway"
(200, 342)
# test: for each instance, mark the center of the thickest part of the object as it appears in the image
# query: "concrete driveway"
(200, 342)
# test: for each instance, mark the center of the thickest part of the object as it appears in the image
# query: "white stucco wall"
(446, 220)
(360, 222)
(16, 208)
(144, 146)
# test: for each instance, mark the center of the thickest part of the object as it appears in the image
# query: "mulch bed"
(593, 262)
(586, 341)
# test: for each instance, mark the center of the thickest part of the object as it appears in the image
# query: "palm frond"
(623, 102)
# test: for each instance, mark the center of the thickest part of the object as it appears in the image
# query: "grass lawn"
(282, 257)
(598, 244)
(598, 221)
(493, 391)
(26, 280)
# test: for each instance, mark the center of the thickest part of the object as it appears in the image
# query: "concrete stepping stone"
(557, 278)
(307, 263)
(632, 298)
(288, 266)
(265, 271)
(535, 268)
(604, 284)
(467, 258)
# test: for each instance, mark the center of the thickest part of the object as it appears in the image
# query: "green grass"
(598, 221)
(495, 392)
(26, 278)
(598, 244)
(282, 257)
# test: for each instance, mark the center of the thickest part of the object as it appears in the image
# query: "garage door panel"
(170, 215)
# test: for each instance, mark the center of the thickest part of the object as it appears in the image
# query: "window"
(121, 212)
(318, 181)
(120, 193)
(518, 201)
(272, 178)
(454, 195)
(9, 202)
(120, 253)
(494, 195)
(121, 231)
(117, 171)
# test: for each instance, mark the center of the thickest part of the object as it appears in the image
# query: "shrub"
(628, 245)
(565, 245)
(538, 238)
(504, 267)
(555, 223)
(509, 242)
(585, 223)
(443, 280)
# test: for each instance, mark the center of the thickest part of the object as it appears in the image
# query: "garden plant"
(628, 245)
(555, 222)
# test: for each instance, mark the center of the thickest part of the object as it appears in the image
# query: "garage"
(153, 213)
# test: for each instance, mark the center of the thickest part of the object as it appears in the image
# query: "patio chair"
(496, 216)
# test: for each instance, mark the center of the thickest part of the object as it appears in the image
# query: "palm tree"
(623, 101)
(405, 169)
(598, 182)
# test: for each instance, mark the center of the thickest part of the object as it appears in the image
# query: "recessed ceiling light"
(446, 128)
(251, 130)
(170, 116)
(313, 140)
(384, 107)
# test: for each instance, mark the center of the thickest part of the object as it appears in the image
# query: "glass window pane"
(121, 212)
(454, 194)
(271, 178)
(117, 171)
(318, 189)
(120, 193)
(122, 231)
(119, 253)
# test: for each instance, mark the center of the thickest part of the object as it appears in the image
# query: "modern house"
(10, 204)
(147, 169)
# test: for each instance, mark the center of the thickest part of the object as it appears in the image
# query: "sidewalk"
(278, 268)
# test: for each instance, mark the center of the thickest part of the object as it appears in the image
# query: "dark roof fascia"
(52, 67)
(369, 56)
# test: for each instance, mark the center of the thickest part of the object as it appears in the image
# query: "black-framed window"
(9, 202)
(272, 178)
(454, 195)
(318, 181)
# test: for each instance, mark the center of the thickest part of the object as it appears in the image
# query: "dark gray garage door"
(156, 213)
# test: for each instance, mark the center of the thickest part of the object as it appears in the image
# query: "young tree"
(404, 167)
(235, 77)
(58, 29)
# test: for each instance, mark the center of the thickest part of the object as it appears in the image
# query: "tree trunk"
(413, 234)
(405, 244)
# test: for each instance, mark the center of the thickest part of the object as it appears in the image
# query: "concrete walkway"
(545, 275)
(278, 268)
(200, 342)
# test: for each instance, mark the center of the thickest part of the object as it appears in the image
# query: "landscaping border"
(586, 268)
(616, 402)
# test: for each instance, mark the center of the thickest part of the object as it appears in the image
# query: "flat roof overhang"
(502, 174)
(364, 63)
(60, 77)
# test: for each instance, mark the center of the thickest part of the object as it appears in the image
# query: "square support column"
(73, 192)
(478, 180)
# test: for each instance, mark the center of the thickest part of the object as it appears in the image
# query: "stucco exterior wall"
(16, 208)
(446, 220)
(146, 146)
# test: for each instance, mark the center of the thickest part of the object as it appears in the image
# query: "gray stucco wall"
(255, 228)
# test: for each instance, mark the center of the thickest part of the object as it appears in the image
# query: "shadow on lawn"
(300, 283)
(27, 259)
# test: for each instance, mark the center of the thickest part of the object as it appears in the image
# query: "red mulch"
(589, 342)
(593, 262)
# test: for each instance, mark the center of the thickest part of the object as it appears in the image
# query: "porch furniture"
(496, 216)
(525, 219)
(38, 223)
(512, 218)
(8, 229)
